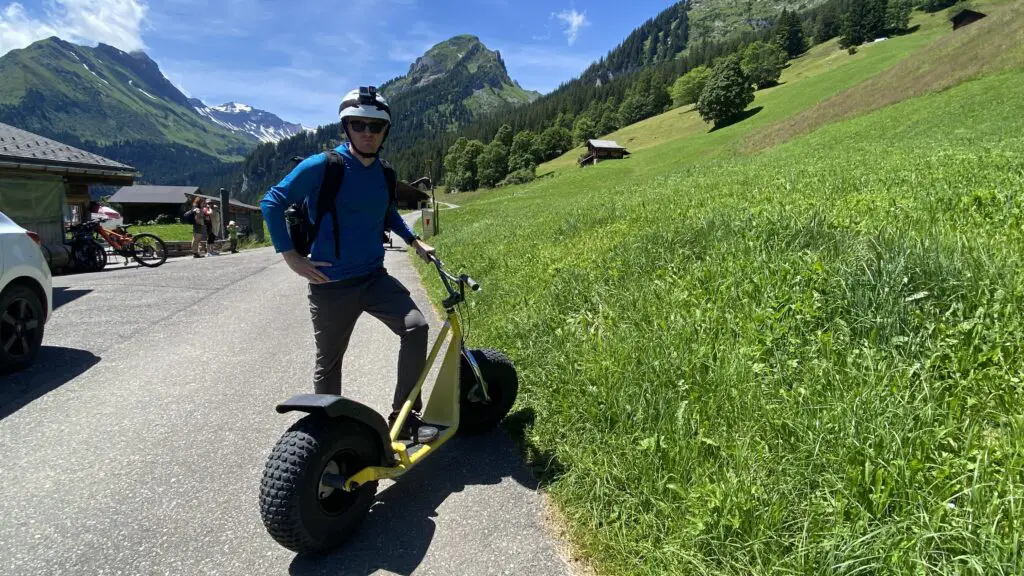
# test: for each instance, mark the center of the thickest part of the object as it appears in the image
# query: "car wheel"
(21, 328)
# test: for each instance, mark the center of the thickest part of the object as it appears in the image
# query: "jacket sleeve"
(396, 223)
(300, 184)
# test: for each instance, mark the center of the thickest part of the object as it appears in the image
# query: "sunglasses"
(363, 126)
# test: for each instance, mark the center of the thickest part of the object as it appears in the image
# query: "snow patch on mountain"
(232, 108)
(237, 117)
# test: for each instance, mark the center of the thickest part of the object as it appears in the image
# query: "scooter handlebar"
(447, 277)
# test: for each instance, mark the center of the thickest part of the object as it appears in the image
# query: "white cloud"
(573, 22)
(114, 22)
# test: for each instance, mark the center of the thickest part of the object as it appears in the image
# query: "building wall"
(35, 202)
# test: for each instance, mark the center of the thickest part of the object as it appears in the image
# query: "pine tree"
(790, 34)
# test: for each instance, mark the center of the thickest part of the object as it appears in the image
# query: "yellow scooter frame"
(442, 408)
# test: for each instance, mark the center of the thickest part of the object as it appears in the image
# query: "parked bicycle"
(146, 249)
(87, 255)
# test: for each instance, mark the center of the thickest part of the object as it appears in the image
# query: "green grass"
(805, 361)
(183, 233)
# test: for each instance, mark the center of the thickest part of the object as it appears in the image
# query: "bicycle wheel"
(100, 254)
(149, 250)
(88, 256)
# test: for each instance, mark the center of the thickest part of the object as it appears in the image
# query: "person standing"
(233, 236)
(345, 267)
(198, 227)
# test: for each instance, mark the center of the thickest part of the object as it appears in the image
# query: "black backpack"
(190, 216)
(303, 231)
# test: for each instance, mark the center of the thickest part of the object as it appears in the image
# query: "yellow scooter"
(321, 478)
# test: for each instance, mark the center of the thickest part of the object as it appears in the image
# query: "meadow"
(772, 348)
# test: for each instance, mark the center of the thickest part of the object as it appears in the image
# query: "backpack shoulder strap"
(334, 175)
(391, 178)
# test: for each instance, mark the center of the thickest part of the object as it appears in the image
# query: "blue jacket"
(361, 203)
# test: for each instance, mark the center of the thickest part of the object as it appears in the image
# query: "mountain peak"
(238, 117)
(442, 59)
(232, 108)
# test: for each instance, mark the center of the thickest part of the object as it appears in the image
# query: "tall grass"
(804, 362)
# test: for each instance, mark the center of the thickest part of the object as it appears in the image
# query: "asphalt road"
(136, 443)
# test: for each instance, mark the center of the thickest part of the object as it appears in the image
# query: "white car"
(26, 295)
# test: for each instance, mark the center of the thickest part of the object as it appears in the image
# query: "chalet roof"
(965, 17)
(607, 144)
(177, 195)
(425, 180)
(29, 151)
(146, 194)
(231, 201)
(965, 13)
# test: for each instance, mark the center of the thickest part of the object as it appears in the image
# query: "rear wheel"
(479, 412)
(299, 510)
(149, 250)
(21, 328)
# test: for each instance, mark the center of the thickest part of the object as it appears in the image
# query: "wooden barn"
(965, 17)
(598, 150)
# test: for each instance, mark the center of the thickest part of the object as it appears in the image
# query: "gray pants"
(336, 306)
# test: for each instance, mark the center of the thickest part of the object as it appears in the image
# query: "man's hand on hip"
(305, 267)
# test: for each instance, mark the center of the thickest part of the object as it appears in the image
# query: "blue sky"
(296, 58)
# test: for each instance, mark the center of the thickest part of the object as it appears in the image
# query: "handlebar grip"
(472, 284)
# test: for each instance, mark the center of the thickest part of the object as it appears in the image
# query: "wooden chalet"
(598, 150)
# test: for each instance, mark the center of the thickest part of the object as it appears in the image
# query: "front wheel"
(479, 412)
(299, 510)
(149, 250)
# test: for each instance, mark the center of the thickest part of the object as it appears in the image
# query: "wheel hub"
(325, 491)
(20, 322)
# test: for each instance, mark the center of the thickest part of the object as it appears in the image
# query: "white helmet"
(364, 103)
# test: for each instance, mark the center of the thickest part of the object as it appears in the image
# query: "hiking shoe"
(414, 429)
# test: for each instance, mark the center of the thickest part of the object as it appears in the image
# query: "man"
(346, 272)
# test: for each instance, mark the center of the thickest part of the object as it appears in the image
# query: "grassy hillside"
(802, 361)
(102, 96)
(713, 19)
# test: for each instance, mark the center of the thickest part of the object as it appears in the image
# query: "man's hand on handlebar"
(424, 250)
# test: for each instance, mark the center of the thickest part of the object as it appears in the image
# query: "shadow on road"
(53, 367)
(62, 296)
(398, 531)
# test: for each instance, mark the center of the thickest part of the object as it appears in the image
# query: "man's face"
(361, 131)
